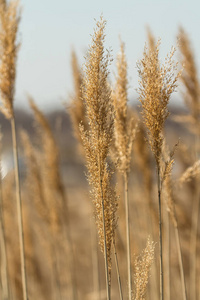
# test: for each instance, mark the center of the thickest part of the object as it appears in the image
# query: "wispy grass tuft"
(97, 142)
(142, 269)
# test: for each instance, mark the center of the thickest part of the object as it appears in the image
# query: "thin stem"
(180, 263)
(95, 261)
(19, 210)
(4, 265)
(54, 257)
(160, 234)
(193, 242)
(66, 220)
(118, 274)
(105, 247)
(104, 232)
(4, 259)
(128, 235)
(194, 229)
(168, 289)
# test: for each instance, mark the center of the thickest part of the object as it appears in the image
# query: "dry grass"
(63, 260)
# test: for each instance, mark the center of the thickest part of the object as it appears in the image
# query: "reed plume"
(151, 39)
(9, 21)
(55, 194)
(124, 134)
(97, 142)
(124, 129)
(190, 172)
(49, 163)
(168, 185)
(192, 98)
(77, 108)
(189, 76)
(157, 83)
(34, 177)
(142, 269)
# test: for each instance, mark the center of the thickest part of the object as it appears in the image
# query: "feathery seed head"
(190, 75)
(34, 176)
(190, 173)
(157, 83)
(77, 109)
(167, 180)
(124, 126)
(9, 22)
(98, 136)
(142, 268)
(54, 191)
(151, 39)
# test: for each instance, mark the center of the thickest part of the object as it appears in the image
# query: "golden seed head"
(157, 83)
(98, 137)
(9, 22)
(189, 76)
(77, 108)
(142, 269)
(124, 125)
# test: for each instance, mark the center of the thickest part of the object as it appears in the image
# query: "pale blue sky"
(49, 29)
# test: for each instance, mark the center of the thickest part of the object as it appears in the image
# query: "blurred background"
(50, 29)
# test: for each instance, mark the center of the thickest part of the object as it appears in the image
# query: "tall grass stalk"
(124, 133)
(118, 273)
(172, 212)
(95, 261)
(105, 244)
(160, 233)
(4, 258)
(156, 84)
(19, 210)
(194, 228)
(58, 216)
(192, 98)
(9, 18)
(128, 246)
(184, 293)
(97, 143)
(168, 273)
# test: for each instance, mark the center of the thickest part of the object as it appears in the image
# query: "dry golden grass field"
(101, 200)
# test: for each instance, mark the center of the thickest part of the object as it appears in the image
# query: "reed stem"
(4, 265)
(105, 247)
(4, 259)
(160, 234)
(168, 275)
(118, 274)
(128, 235)
(194, 229)
(180, 263)
(95, 261)
(19, 211)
